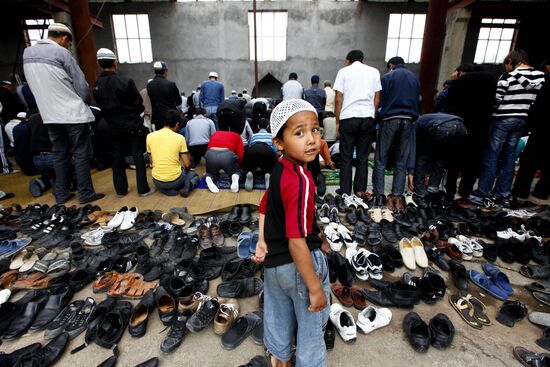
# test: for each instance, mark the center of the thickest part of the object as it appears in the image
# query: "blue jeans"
(44, 164)
(171, 188)
(398, 131)
(286, 302)
(211, 114)
(504, 136)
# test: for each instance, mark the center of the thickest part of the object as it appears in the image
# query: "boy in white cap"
(121, 106)
(211, 96)
(296, 287)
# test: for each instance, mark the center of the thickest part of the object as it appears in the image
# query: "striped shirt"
(263, 136)
(516, 92)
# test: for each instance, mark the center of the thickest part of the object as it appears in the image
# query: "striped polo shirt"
(516, 92)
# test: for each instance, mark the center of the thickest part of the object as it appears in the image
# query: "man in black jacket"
(121, 106)
(164, 94)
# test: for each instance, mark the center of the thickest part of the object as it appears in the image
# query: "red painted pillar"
(84, 39)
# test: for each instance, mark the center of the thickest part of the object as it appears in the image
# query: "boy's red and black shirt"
(289, 209)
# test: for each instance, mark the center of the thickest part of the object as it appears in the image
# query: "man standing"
(164, 94)
(147, 112)
(329, 105)
(316, 96)
(60, 90)
(292, 89)
(516, 91)
(357, 89)
(121, 106)
(246, 95)
(212, 94)
(399, 104)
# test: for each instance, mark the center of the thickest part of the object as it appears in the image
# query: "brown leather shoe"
(226, 315)
(205, 237)
(217, 235)
(359, 300)
(390, 202)
(399, 203)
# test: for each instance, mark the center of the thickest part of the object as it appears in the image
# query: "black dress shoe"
(79, 322)
(351, 217)
(240, 288)
(113, 325)
(109, 362)
(10, 359)
(153, 362)
(21, 324)
(387, 261)
(48, 354)
(245, 216)
(396, 294)
(240, 330)
(102, 309)
(395, 255)
(204, 316)
(417, 332)
(442, 331)
(80, 278)
(345, 274)
(140, 315)
(387, 230)
(460, 276)
(334, 260)
(330, 335)
(58, 299)
(166, 304)
(437, 257)
(374, 237)
(8, 312)
(176, 334)
(235, 213)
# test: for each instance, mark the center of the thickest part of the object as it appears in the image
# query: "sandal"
(28, 282)
(479, 310)
(123, 284)
(8, 278)
(106, 281)
(138, 288)
(543, 287)
(465, 309)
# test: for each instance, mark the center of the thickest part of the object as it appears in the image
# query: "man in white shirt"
(357, 89)
(331, 95)
(292, 89)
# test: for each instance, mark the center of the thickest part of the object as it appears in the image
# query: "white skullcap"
(233, 91)
(105, 54)
(213, 74)
(59, 27)
(160, 65)
(285, 110)
(21, 115)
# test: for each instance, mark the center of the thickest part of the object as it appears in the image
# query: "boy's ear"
(278, 143)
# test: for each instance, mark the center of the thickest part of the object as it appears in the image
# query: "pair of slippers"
(494, 281)
(246, 244)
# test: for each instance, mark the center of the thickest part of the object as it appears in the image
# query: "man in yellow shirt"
(170, 159)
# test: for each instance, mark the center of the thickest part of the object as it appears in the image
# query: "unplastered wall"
(195, 38)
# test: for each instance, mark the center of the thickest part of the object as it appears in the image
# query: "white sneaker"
(509, 233)
(359, 262)
(372, 318)
(333, 238)
(477, 249)
(530, 234)
(346, 236)
(235, 182)
(118, 218)
(211, 186)
(409, 200)
(348, 201)
(95, 240)
(464, 247)
(387, 215)
(359, 202)
(129, 218)
(4, 295)
(343, 322)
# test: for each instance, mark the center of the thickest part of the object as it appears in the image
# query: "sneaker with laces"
(343, 322)
(204, 315)
(129, 218)
(178, 331)
(349, 201)
(226, 315)
(57, 326)
(334, 219)
(359, 202)
(117, 220)
(346, 237)
(78, 323)
(509, 233)
(324, 214)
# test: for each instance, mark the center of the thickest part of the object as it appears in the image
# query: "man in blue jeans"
(399, 104)
(517, 89)
(211, 96)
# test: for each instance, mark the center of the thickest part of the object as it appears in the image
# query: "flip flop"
(243, 244)
(542, 286)
(542, 297)
(479, 310)
(465, 309)
(487, 284)
(28, 262)
(499, 278)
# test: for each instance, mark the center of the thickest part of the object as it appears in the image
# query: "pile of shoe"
(368, 320)
(439, 332)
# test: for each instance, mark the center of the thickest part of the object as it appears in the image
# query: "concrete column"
(431, 51)
(453, 46)
(84, 39)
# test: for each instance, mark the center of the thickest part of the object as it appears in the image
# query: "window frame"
(121, 55)
(500, 25)
(263, 38)
(410, 38)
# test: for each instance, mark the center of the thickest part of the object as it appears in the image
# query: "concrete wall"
(198, 37)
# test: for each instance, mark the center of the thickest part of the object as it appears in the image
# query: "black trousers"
(468, 162)
(197, 152)
(129, 142)
(534, 157)
(355, 133)
(259, 155)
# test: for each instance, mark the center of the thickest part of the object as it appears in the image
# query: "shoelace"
(228, 308)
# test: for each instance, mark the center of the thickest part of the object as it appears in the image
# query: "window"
(132, 38)
(36, 29)
(405, 34)
(271, 35)
(495, 40)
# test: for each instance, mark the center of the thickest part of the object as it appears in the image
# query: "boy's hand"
(330, 165)
(317, 300)
(261, 251)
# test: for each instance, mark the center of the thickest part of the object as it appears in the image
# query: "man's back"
(317, 97)
(164, 95)
(400, 94)
(165, 147)
(199, 130)
(292, 89)
(516, 92)
(358, 83)
(57, 83)
(212, 93)
(119, 100)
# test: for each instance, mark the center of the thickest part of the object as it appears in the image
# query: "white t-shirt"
(358, 83)
(292, 89)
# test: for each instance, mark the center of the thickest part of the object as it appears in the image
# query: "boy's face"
(301, 138)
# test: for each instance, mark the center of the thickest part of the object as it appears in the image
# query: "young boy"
(296, 287)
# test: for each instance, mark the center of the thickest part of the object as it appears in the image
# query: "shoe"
(150, 192)
(79, 322)
(129, 218)
(10, 359)
(417, 332)
(345, 235)
(48, 354)
(109, 362)
(93, 198)
(30, 309)
(216, 234)
(442, 331)
(178, 331)
(113, 325)
(324, 214)
(240, 330)
(333, 237)
(334, 219)
(226, 316)
(396, 294)
(343, 294)
(437, 257)
(267, 176)
(374, 237)
(117, 220)
(477, 248)
(330, 335)
(463, 247)
(343, 322)
(240, 288)
(204, 315)
(407, 253)
(58, 299)
(245, 216)
(205, 237)
(57, 326)
(372, 318)
(426, 289)
(249, 183)
(386, 229)
(152, 362)
(419, 254)
(140, 315)
(460, 276)
(166, 305)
